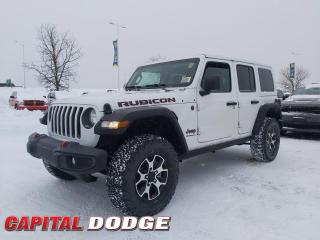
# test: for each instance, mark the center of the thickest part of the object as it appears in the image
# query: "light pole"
(118, 26)
(23, 64)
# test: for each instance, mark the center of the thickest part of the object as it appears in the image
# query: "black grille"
(303, 109)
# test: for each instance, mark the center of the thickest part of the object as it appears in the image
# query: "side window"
(266, 80)
(246, 78)
(217, 77)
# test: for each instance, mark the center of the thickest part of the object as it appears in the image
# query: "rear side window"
(266, 80)
(246, 78)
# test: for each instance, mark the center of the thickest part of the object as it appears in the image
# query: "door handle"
(254, 101)
(232, 103)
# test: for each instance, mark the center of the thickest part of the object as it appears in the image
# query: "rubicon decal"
(146, 102)
(68, 223)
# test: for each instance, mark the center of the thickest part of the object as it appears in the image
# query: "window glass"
(219, 75)
(146, 78)
(168, 74)
(266, 80)
(246, 78)
(307, 91)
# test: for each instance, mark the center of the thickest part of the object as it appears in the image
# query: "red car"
(31, 105)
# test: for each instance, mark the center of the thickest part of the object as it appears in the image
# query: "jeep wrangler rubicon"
(167, 111)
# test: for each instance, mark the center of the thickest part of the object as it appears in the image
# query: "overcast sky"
(268, 31)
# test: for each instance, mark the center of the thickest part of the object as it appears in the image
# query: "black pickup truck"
(301, 111)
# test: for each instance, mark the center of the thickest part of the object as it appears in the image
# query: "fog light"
(114, 124)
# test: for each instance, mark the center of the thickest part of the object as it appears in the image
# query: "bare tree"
(290, 85)
(59, 56)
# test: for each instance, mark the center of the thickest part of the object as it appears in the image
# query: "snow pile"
(39, 93)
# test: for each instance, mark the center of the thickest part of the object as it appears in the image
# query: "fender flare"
(134, 114)
(267, 110)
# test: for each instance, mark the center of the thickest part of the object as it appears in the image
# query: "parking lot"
(220, 195)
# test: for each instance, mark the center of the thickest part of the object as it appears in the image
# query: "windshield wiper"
(133, 87)
(157, 85)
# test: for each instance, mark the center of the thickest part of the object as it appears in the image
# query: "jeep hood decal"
(122, 99)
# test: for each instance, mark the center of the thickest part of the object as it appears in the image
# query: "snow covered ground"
(219, 196)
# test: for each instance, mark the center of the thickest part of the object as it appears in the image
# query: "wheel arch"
(272, 110)
(146, 120)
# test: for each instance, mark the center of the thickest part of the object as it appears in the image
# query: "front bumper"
(70, 157)
(300, 121)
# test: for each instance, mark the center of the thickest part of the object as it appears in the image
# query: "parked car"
(30, 104)
(301, 111)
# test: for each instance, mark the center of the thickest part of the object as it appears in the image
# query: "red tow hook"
(64, 144)
(35, 136)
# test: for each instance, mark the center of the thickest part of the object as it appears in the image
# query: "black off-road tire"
(260, 143)
(123, 169)
(58, 173)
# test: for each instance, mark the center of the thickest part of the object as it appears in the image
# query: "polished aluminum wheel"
(272, 140)
(151, 177)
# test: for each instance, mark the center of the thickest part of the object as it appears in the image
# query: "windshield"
(169, 74)
(308, 91)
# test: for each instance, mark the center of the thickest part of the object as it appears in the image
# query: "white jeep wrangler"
(167, 112)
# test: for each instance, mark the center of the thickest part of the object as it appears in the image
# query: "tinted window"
(266, 80)
(219, 75)
(246, 78)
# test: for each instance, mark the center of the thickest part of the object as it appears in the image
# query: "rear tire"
(265, 143)
(58, 173)
(142, 175)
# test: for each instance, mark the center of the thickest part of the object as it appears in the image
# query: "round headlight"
(89, 118)
(93, 117)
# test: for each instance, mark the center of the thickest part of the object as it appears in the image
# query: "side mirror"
(210, 83)
(280, 94)
(45, 96)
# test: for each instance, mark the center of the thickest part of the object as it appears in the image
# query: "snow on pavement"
(220, 195)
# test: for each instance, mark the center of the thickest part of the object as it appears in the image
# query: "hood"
(303, 98)
(122, 99)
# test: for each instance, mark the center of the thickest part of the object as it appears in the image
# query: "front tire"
(265, 143)
(142, 175)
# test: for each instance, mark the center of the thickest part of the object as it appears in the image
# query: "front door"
(217, 107)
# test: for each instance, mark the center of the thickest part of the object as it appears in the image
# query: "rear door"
(248, 97)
